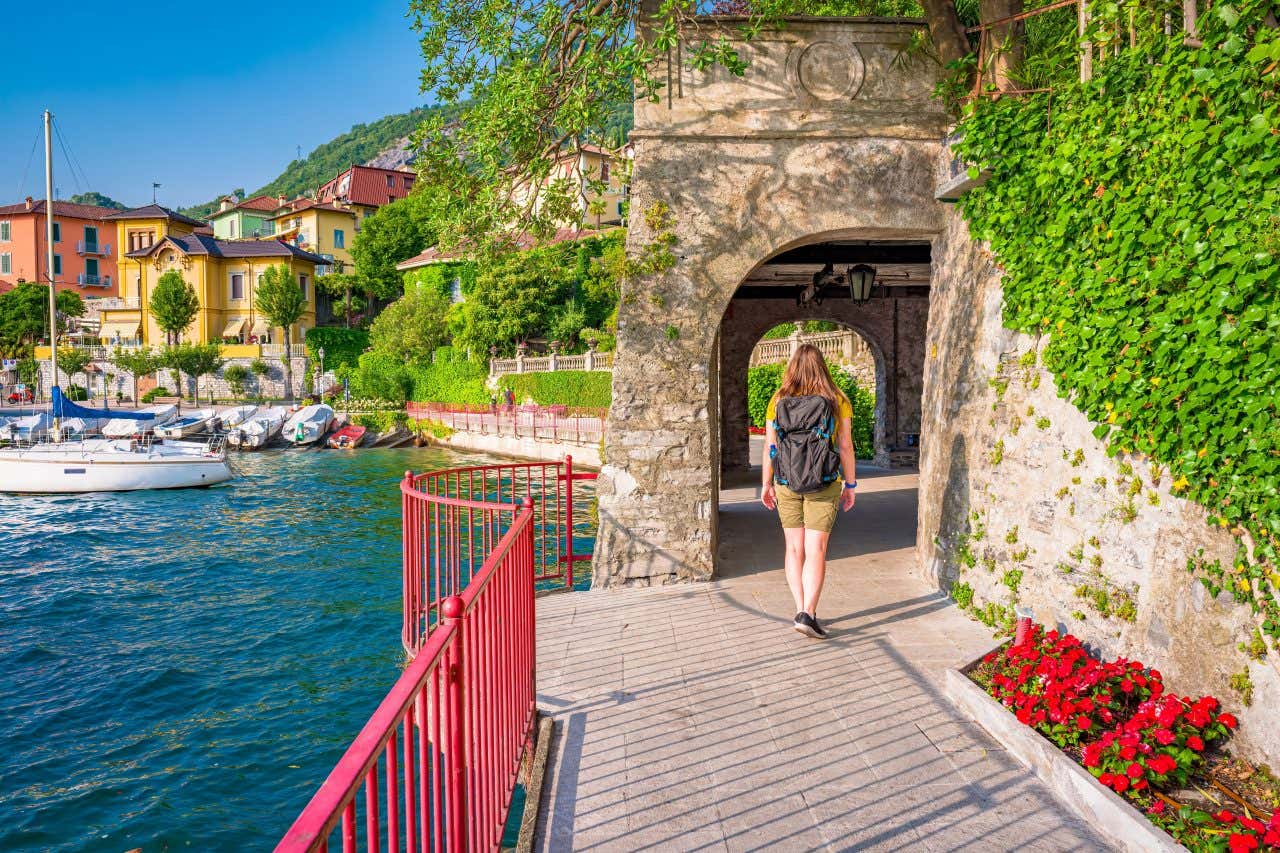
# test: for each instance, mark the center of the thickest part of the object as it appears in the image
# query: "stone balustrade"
(840, 347)
(590, 360)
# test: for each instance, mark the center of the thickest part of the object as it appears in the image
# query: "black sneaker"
(809, 626)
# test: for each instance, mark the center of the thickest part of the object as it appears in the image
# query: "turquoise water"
(182, 669)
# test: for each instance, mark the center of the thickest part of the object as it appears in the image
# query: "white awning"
(260, 327)
(233, 328)
(125, 329)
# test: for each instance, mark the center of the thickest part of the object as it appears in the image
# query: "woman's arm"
(766, 467)
(848, 460)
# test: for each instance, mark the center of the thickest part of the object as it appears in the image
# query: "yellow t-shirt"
(844, 409)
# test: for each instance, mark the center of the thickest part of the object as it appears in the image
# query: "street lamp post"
(320, 376)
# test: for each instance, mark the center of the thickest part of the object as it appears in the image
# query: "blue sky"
(202, 98)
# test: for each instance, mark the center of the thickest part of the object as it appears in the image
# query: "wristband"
(851, 484)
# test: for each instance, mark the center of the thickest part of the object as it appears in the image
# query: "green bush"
(585, 388)
(764, 381)
(381, 422)
(76, 393)
(341, 346)
(383, 376)
(450, 379)
(158, 391)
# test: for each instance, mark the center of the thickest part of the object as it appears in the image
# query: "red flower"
(1195, 742)
(1251, 824)
(1083, 723)
(1126, 686)
(1228, 720)
(1164, 737)
(1134, 771)
(1157, 807)
(1162, 764)
(1120, 784)
(1224, 816)
(1128, 753)
(1242, 843)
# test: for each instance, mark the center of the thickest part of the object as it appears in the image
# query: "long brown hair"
(807, 374)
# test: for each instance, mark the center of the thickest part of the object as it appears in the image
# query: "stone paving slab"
(694, 718)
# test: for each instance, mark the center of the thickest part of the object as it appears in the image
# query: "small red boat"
(348, 437)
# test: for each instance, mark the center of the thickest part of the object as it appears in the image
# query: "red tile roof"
(300, 204)
(268, 203)
(60, 208)
(368, 186)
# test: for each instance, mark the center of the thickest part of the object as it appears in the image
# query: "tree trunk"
(288, 363)
(946, 31)
(1005, 43)
(347, 311)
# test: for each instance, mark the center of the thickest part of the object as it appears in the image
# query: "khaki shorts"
(812, 511)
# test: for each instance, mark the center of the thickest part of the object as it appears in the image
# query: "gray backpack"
(805, 458)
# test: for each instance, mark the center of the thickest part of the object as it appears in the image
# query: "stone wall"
(894, 331)
(1012, 479)
(272, 386)
(829, 135)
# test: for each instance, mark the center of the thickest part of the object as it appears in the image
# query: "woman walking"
(809, 472)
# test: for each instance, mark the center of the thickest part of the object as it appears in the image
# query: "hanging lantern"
(861, 278)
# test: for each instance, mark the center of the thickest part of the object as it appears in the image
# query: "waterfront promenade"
(694, 718)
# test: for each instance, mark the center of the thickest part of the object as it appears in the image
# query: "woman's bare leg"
(814, 571)
(793, 564)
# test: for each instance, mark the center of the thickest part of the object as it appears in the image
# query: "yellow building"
(224, 273)
(324, 228)
(599, 185)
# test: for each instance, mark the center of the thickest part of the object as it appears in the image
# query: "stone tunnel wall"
(894, 330)
(1013, 480)
(829, 135)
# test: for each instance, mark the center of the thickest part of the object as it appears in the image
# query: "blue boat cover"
(64, 408)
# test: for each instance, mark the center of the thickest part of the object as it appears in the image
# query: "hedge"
(586, 388)
(342, 347)
(764, 381)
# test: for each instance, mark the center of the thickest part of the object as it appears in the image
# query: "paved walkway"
(694, 718)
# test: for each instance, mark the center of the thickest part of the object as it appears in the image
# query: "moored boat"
(348, 437)
(27, 428)
(308, 425)
(186, 425)
(112, 465)
(233, 417)
(258, 430)
(124, 427)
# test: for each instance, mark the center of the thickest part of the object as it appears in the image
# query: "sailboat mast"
(48, 242)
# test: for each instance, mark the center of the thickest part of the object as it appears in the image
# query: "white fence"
(839, 347)
(590, 360)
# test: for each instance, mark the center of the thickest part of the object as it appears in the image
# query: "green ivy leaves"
(1140, 230)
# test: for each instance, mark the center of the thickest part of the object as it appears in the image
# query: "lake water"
(180, 670)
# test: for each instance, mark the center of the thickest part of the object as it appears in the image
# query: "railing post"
(568, 520)
(453, 610)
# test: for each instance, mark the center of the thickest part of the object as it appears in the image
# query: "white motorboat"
(124, 427)
(230, 418)
(308, 425)
(112, 465)
(258, 430)
(28, 428)
(78, 427)
(188, 424)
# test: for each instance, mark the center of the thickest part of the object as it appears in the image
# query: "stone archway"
(738, 171)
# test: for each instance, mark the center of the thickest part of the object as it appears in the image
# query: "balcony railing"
(266, 230)
(85, 248)
(85, 279)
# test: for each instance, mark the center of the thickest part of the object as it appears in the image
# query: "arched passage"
(737, 357)
(732, 175)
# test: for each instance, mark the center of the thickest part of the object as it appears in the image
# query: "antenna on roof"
(154, 187)
(299, 152)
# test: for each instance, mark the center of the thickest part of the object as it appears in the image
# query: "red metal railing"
(559, 423)
(444, 747)
(453, 517)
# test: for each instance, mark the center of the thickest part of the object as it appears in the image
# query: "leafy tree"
(343, 285)
(393, 233)
(97, 199)
(174, 305)
(413, 326)
(195, 360)
(516, 297)
(136, 363)
(72, 361)
(595, 207)
(261, 370)
(24, 314)
(236, 375)
(280, 300)
(206, 360)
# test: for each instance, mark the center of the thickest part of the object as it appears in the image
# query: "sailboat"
(99, 464)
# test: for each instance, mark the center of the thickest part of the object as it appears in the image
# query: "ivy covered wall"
(1101, 407)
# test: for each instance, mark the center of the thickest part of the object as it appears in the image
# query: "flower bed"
(1159, 750)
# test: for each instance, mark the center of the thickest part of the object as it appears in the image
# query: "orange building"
(84, 257)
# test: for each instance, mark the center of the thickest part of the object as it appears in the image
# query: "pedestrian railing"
(452, 519)
(557, 423)
(435, 767)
